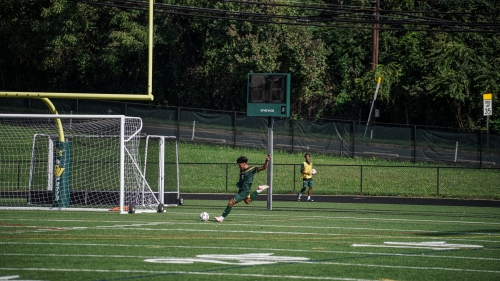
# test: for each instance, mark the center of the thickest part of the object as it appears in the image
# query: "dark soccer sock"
(253, 195)
(302, 190)
(227, 211)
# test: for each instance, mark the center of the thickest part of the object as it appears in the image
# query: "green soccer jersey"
(246, 179)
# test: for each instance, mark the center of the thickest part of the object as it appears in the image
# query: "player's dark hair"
(307, 154)
(242, 159)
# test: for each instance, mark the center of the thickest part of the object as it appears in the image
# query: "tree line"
(430, 76)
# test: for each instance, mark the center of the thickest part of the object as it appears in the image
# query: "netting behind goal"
(73, 161)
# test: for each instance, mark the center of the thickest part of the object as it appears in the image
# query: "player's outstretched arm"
(263, 167)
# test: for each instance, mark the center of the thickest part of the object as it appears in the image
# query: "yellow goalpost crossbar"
(36, 95)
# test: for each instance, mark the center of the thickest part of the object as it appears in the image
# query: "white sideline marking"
(277, 216)
(189, 273)
(291, 233)
(139, 224)
(219, 248)
(410, 267)
(273, 232)
(277, 276)
(435, 245)
(281, 250)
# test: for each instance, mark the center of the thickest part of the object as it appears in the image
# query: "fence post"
(192, 134)
(227, 176)
(294, 176)
(361, 180)
(234, 130)
(179, 123)
(352, 134)
(480, 149)
(414, 144)
(293, 139)
(437, 184)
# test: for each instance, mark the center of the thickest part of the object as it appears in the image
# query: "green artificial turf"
(293, 241)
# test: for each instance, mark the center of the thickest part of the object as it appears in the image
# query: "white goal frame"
(173, 194)
(132, 193)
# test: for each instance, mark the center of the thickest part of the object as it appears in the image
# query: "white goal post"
(74, 162)
(159, 151)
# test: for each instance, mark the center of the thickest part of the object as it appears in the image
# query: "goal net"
(88, 162)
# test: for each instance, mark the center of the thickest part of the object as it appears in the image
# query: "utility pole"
(376, 31)
(375, 43)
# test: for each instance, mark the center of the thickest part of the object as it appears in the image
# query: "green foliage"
(428, 78)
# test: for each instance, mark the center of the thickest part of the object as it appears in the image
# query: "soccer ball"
(204, 216)
(314, 172)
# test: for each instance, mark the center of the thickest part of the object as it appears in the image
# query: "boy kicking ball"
(245, 185)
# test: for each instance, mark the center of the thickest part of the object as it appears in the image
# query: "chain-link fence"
(463, 151)
(409, 143)
(368, 180)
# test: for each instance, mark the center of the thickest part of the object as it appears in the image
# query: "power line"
(329, 16)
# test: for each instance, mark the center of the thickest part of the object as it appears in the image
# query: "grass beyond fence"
(213, 169)
(205, 169)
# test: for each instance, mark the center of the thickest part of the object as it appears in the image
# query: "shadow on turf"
(451, 233)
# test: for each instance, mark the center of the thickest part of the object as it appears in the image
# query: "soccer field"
(294, 241)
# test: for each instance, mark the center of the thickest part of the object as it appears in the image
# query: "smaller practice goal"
(84, 162)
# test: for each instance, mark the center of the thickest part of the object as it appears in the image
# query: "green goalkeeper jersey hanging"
(246, 179)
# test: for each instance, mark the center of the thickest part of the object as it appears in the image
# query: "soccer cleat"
(298, 197)
(263, 187)
(310, 200)
(219, 219)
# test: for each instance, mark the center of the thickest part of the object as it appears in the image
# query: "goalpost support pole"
(62, 173)
(62, 163)
(122, 164)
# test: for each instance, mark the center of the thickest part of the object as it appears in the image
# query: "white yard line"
(411, 267)
(195, 215)
(261, 275)
(253, 249)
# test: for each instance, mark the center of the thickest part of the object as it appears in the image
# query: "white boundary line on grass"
(137, 223)
(195, 215)
(225, 248)
(376, 219)
(277, 276)
(130, 224)
(131, 228)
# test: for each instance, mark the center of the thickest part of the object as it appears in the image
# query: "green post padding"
(62, 174)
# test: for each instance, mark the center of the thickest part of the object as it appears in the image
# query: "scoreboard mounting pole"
(270, 145)
(268, 95)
